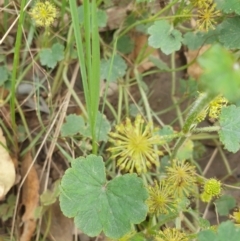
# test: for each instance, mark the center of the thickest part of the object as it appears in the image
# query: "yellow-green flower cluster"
(216, 105)
(133, 145)
(201, 3)
(44, 13)
(236, 217)
(212, 188)
(207, 14)
(171, 234)
(181, 178)
(214, 108)
(161, 199)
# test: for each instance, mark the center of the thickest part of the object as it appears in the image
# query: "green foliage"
(73, 125)
(219, 74)
(113, 69)
(76, 125)
(51, 56)
(229, 6)
(224, 204)
(186, 151)
(229, 33)
(106, 200)
(195, 40)
(198, 150)
(226, 231)
(230, 128)
(158, 63)
(203, 223)
(125, 44)
(165, 131)
(102, 128)
(101, 16)
(189, 87)
(138, 237)
(98, 205)
(49, 197)
(165, 37)
(7, 209)
(3, 75)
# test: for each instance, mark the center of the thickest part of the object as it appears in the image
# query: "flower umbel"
(236, 216)
(201, 3)
(206, 17)
(181, 177)
(212, 188)
(44, 13)
(171, 234)
(216, 105)
(213, 110)
(134, 145)
(161, 199)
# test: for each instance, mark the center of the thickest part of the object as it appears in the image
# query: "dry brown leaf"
(61, 227)
(30, 197)
(7, 169)
(194, 70)
(116, 16)
(140, 41)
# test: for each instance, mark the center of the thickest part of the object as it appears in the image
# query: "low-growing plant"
(114, 206)
(136, 178)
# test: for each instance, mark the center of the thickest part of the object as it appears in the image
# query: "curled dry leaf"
(7, 169)
(30, 197)
(141, 47)
(61, 227)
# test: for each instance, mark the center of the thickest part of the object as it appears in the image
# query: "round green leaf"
(74, 124)
(224, 204)
(230, 128)
(229, 33)
(228, 6)
(3, 75)
(51, 56)
(125, 44)
(165, 37)
(98, 205)
(101, 16)
(113, 69)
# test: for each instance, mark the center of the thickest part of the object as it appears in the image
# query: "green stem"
(190, 122)
(196, 109)
(16, 64)
(120, 99)
(206, 129)
(112, 109)
(173, 91)
(143, 95)
(5, 16)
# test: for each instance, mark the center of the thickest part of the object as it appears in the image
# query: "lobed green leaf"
(229, 33)
(224, 204)
(113, 69)
(165, 37)
(229, 6)
(51, 56)
(98, 205)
